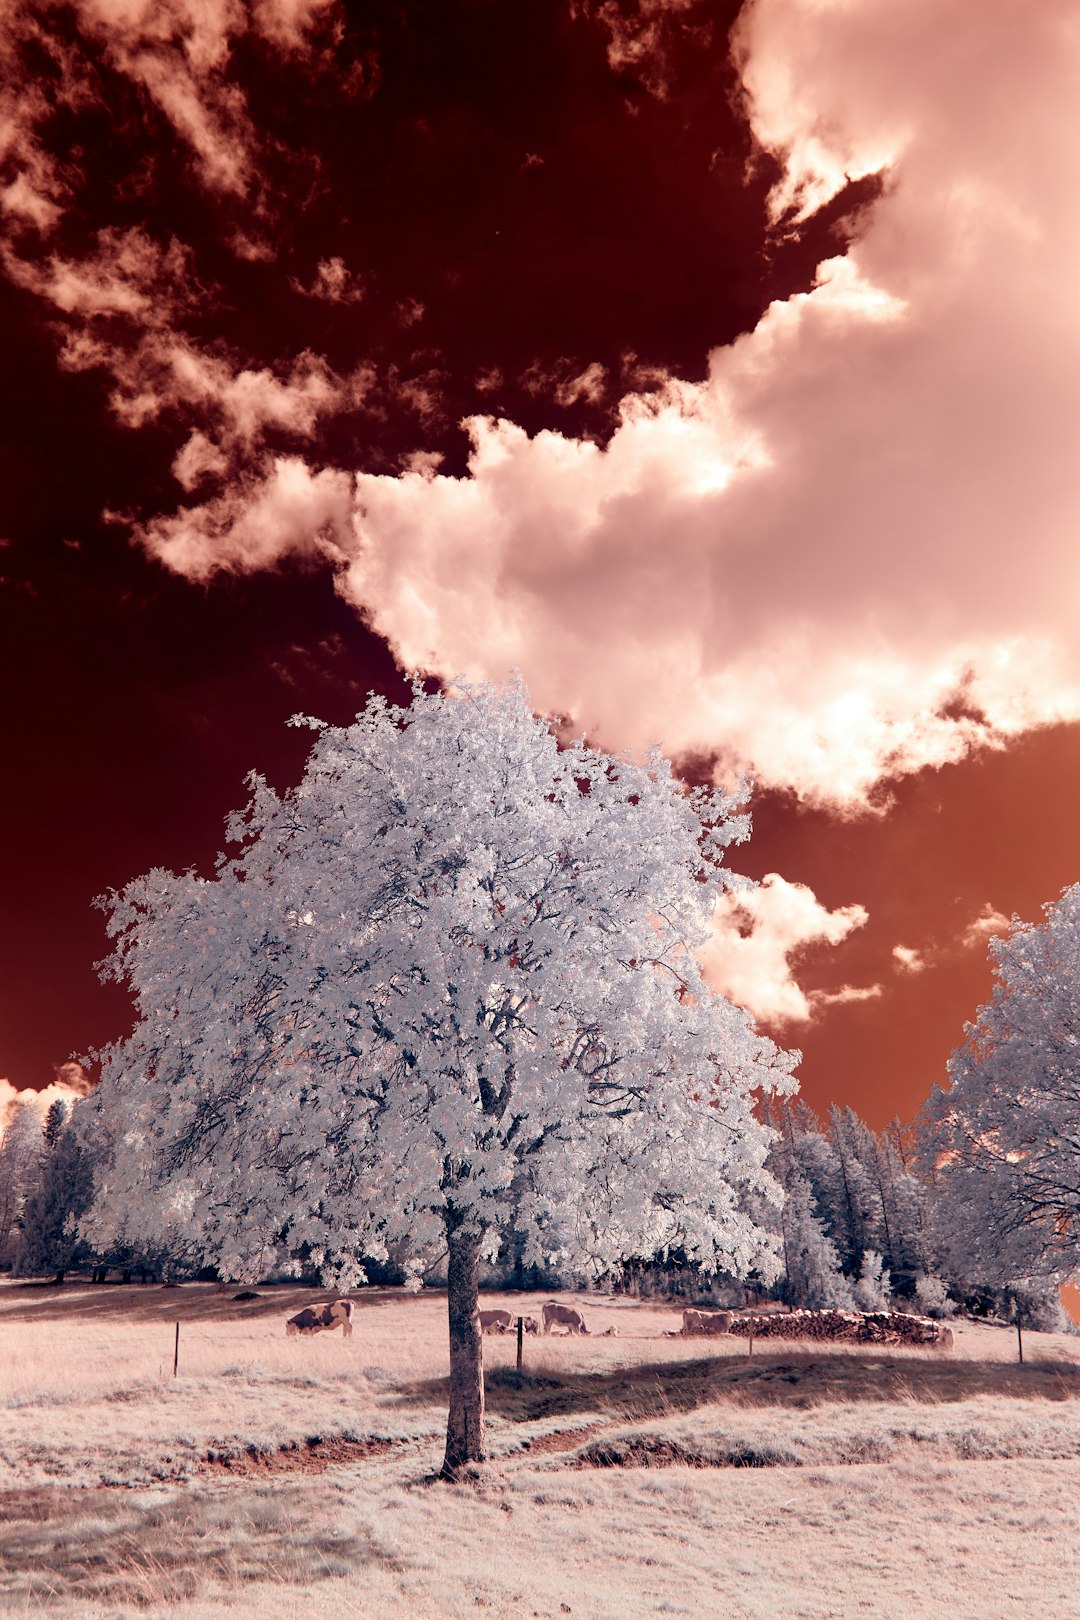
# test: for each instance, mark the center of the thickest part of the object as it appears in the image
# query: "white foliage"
(873, 1289)
(449, 979)
(932, 1297)
(1004, 1141)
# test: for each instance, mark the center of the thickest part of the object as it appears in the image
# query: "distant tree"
(55, 1120)
(1002, 1144)
(931, 1296)
(812, 1267)
(904, 1193)
(49, 1239)
(20, 1151)
(872, 1288)
(800, 1160)
(855, 1203)
(446, 989)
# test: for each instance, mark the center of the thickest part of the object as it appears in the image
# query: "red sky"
(715, 365)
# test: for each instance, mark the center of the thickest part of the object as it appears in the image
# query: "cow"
(610, 1333)
(496, 1321)
(945, 1339)
(563, 1316)
(705, 1324)
(531, 1325)
(322, 1319)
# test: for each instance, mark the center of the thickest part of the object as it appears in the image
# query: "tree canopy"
(1004, 1140)
(445, 989)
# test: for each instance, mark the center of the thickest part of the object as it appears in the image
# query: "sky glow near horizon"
(835, 551)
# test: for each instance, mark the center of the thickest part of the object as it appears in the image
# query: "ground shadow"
(782, 1378)
(77, 1302)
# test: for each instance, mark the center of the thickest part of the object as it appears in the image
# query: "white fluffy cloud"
(908, 960)
(980, 929)
(70, 1084)
(758, 935)
(852, 551)
(284, 510)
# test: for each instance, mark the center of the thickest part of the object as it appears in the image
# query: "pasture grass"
(636, 1475)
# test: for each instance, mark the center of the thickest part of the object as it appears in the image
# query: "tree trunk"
(465, 1425)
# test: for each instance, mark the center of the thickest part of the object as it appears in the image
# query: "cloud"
(989, 922)
(566, 382)
(176, 53)
(124, 306)
(643, 36)
(287, 510)
(333, 283)
(290, 24)
(757, 932)
(127, 274)
(809, 563)
(846, 994)
(71, 1083)
(908, 960)
(73, 1078)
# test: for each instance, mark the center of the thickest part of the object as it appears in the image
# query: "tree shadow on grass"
(777, 1379)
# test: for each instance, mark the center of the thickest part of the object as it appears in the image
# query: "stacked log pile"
(856, 1327)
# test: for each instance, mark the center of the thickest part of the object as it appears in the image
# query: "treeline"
(46, 1185)
(871, 1220)
(866, 1222)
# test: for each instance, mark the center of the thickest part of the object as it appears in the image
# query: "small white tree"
(873, 1289)
(932, 1296)
(1003, 1144)
(447, 985)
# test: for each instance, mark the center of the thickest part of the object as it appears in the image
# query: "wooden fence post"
(176, 1352)
(521, 1337)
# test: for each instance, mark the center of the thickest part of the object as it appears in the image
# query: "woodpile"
(854, 1327)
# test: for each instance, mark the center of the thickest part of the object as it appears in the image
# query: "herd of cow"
(878, 1327)
(338, 1313)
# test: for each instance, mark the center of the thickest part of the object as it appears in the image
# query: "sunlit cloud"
(806, 564)
(71, 1083)
(757, 937)
(989, 922)
(908, 960)
(285, 511)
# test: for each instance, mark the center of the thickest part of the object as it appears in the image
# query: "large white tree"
(1003, 1143)
(445, 989)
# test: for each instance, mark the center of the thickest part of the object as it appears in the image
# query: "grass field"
(636, 1475)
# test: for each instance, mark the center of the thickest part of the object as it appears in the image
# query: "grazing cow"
(945, 1339)
(322, 1318)
(563, 1316)
(496, 1321)
(705, 1324)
